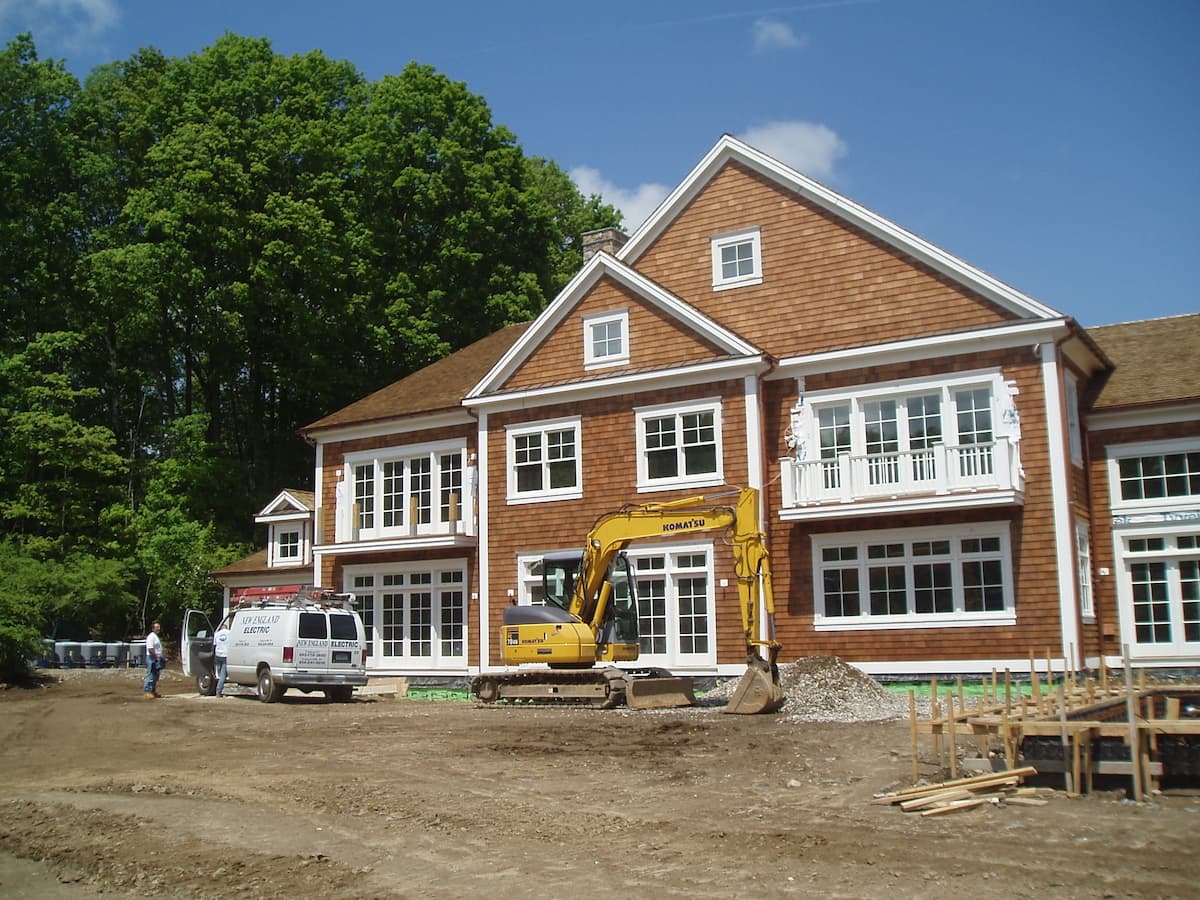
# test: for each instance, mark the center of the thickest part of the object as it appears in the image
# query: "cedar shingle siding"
(846, 302)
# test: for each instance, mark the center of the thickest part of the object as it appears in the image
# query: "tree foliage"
(204, 254)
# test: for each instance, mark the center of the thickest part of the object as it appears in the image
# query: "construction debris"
(999, 789)
(1079, 727)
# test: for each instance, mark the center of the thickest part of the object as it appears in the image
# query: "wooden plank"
(974, 781)
(956, 806)
(939, 797)
(1025, 801)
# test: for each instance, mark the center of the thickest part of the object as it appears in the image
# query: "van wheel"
(341, 694)
(268, 690)
(206, 684)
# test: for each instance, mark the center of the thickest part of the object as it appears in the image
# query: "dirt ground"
(104, 793)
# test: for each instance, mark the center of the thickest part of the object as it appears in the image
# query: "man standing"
(155, 662)
(221, 654)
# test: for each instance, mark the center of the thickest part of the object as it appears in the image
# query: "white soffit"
(730, 149)
(980, 340)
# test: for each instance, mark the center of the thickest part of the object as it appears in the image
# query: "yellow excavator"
(589, 622)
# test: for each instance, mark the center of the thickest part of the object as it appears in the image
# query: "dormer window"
(606, 339)
(289, 545)
(736, 259)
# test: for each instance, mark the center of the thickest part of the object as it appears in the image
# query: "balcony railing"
(937, 470)
(450, 515)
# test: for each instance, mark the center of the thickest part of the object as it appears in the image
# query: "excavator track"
(591, 688)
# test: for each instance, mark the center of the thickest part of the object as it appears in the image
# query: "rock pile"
(825, 689)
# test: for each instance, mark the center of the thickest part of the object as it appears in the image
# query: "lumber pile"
(943, 798)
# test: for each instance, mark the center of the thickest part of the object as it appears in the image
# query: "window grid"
(915, 578)
(1159, 476)
(289, 545)
(544, 462)
(681, 445)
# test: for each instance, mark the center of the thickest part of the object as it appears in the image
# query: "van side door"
(196, 644)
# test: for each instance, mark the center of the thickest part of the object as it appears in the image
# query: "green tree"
(58, 475)
(40, 222)
(572, 215)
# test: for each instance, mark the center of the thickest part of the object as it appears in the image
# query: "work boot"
(149, 695)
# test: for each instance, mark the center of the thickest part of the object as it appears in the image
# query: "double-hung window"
(736, 259)
(408, 490)
(898, 579)
(605, 339)
(679, 445)
(544, 461)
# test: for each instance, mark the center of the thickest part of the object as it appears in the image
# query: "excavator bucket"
(759, 691)
(659, 692)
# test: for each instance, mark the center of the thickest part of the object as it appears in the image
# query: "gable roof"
(289, 501)
(1147, 355)
(730, 149)
(600, 266)
(439, 386)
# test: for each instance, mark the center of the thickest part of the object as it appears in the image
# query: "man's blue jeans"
(153, 667)
(221, 663)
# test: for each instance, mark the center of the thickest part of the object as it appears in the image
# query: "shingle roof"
(1151, 358)
(255, 563)
(308, 498)
(439, 386)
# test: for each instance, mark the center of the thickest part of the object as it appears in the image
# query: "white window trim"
(674, 657)
(856, 397)
(645, 483)
(408, 451)
(590, 359)
(1168, 530)
(1074, 432)
(1087, 588)
(958, 619)
(1117, 452)
(300, 528)
(511, 432)
(435, 567)
(720, 241)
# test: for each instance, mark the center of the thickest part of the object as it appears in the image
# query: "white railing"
(452, 515)
(937, 470)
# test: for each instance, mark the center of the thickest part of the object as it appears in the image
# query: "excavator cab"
(619, 620)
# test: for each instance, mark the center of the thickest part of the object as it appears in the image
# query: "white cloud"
(64, 25)
(805, 146)
(771, 34)
(636, 204)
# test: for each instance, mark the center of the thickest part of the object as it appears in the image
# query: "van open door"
(196, 651)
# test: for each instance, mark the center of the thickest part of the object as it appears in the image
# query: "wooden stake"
(1035, 686)
(912, 718)
(951, 721)
(1070, 777)
(935, 716)
(1135, 741)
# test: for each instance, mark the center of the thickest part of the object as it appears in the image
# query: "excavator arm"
(759, 689)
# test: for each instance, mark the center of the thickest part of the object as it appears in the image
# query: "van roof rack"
(291, 595)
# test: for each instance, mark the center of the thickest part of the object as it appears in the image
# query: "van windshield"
(341, 627)
(312, 625)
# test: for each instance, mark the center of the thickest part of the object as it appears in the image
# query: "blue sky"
(1053, 144)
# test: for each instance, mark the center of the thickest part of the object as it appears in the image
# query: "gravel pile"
(825, 689)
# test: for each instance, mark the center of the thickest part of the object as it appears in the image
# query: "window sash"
(679, 446)
(913, 577)
(400, 487)
(544, 461)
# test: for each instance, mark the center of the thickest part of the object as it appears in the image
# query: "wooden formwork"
(1082, 713)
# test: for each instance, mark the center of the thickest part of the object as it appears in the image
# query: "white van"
(312, 640)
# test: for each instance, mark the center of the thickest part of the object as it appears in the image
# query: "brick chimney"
(610, 240)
